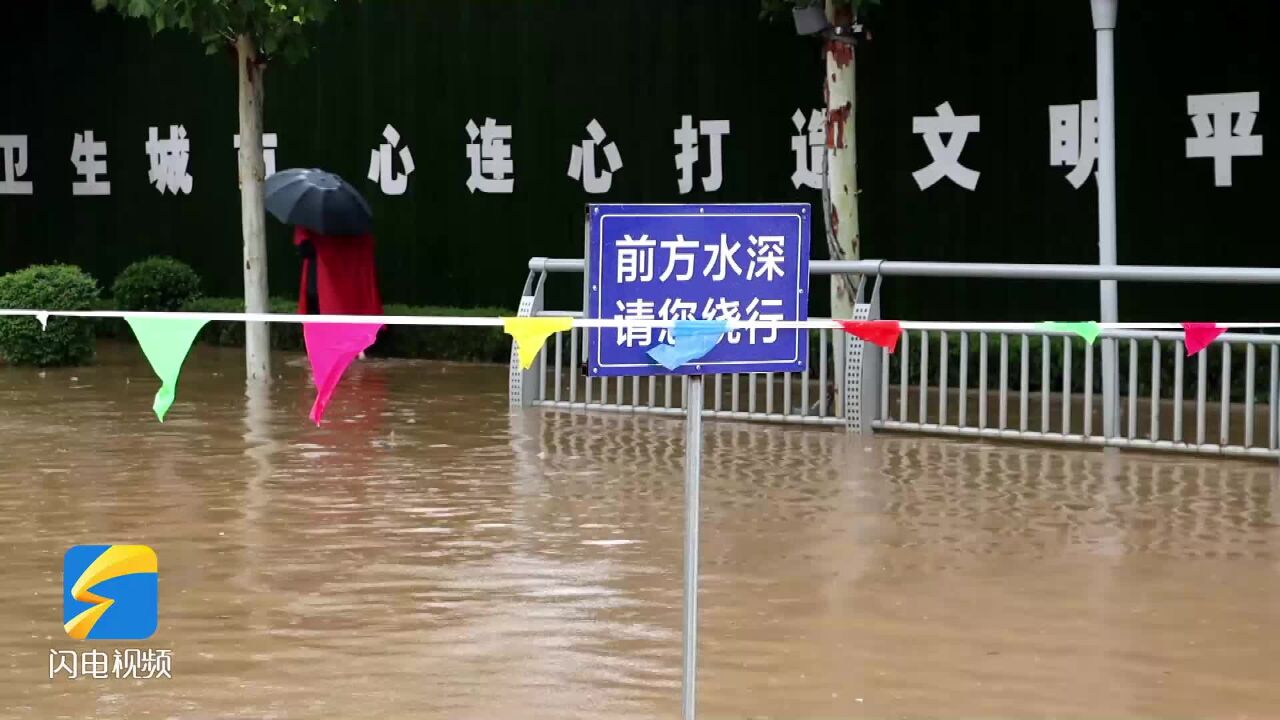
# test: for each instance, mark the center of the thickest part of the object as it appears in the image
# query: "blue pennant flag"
(691, 340)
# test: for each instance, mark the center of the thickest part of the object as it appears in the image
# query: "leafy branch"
(277, 27)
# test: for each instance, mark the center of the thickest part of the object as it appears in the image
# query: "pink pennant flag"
(1199, 335)
(331, 347)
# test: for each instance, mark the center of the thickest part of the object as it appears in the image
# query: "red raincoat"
(345, 280)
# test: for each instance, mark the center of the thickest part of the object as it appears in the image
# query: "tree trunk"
(257, 336)
(843, 242)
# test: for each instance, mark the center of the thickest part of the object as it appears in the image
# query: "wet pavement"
(428, 554)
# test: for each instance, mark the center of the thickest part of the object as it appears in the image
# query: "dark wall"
(637, 66)
(1009, 66)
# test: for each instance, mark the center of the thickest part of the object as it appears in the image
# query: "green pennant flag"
(165, 342)
(1087, 330)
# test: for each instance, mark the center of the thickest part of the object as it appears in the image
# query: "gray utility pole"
(1104, 27)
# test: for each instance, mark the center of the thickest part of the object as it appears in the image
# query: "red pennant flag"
(331, 347)
(1199, 335)
(884, 333)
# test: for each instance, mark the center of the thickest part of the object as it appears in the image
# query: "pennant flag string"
(330, 349)
(1199, 335)
(531, 333)
(165, 343)
(1081, 328)
(690, 340)
(884, 333)
(334, 341)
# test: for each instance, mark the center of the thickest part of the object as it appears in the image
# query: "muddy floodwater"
(428, 554)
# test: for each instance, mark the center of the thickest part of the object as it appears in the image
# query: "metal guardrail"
(772, 397)
(1225, 400)
(1210, 403)
(1008, 271)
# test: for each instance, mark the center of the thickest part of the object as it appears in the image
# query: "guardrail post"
(522, 385)
(862, 372)
(1110, 389)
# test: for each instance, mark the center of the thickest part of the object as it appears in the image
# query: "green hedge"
(474, 344)
(66, 341)
(284, 336)
(401, 341)
(157, 284)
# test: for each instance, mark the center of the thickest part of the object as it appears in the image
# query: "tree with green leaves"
(840, 176)
(255, 32)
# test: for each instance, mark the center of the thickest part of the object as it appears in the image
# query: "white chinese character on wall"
(380, 164)
(1217, 136)
(946, 157)
(13, 153)
(635, 259)
(269, 143)
(89, 157)
(809, 148)
(168, 160)
(1073, 139)
(490, 157)
(686, 136)
(582, 161)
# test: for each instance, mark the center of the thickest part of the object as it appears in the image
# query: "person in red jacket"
(338, 274)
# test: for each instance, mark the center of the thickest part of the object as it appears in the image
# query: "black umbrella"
(318, 201)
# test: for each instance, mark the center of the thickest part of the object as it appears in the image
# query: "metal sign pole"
(614, 278)
(692, 514)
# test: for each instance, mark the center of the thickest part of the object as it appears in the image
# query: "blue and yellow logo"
(110, 592)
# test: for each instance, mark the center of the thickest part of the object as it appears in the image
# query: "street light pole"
(1104, 26)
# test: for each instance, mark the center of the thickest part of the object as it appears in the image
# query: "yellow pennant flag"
(531, 333)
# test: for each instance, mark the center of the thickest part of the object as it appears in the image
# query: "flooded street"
(427, 554)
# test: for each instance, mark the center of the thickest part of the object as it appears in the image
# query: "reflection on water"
(426, 554)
